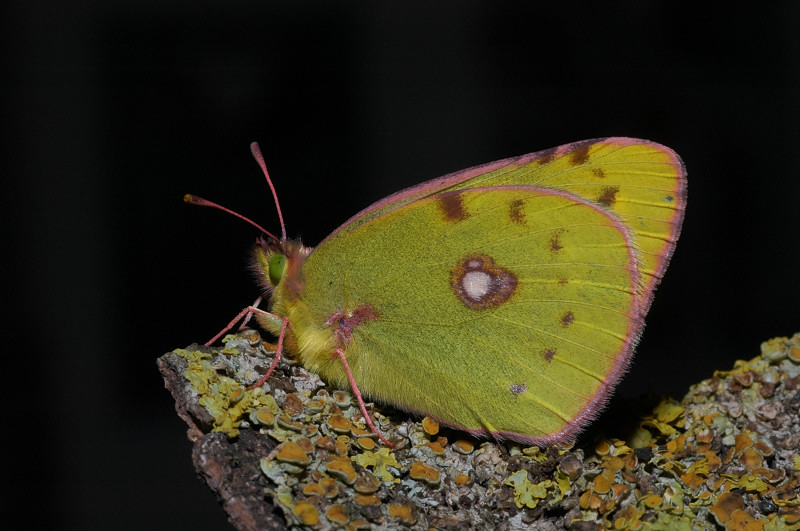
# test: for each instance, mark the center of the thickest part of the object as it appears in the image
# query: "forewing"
(640, 182)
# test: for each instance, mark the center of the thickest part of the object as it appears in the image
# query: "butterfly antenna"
(199, 201)
(256, 151)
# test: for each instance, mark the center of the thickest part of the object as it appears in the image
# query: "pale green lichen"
(226, 399)
(527, 494)
(380, 461)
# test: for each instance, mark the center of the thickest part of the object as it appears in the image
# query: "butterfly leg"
(250, 314)
(247, 313)
(278, 352)
(361, 404)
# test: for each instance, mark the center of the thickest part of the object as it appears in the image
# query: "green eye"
(277, 263)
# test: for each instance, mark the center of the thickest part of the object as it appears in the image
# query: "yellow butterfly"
(503, 300)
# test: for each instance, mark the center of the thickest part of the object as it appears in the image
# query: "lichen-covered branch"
(297, 453)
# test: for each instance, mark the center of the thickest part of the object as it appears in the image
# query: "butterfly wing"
(503, 310)
(640, 182)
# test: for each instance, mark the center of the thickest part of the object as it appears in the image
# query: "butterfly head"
(277, 264)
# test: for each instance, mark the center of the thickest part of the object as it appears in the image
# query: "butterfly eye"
(277, 263)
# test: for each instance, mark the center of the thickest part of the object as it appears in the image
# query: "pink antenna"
(256, 151)
(199, 201)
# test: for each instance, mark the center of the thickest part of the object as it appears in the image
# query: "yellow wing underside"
(504, 299)
(527, 363)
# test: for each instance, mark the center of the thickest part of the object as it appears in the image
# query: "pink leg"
(361, 404)
(250, 314)
(249, 311)
(278, 352)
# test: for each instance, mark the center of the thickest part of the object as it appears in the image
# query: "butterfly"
(503, 300)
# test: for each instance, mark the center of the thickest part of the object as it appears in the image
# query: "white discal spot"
(476, 284)
(480, 284)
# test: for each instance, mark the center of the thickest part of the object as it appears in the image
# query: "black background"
(114, 110)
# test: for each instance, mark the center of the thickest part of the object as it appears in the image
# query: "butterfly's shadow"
(621, 419)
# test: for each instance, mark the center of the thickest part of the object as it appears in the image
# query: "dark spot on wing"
(516, 212)
(555, 242)
(452, 206)
(518, 389)
(546, 156)
(580, 155)
(567, 319)
(608, 196)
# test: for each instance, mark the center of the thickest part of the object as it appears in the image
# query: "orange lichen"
(741, 521)
(365, 443)
(339, 423)
(726, 504)
(619, 490)
(404, 513)
(291, 452)
(743, 441)
(614, 463)
(237, 395)
(358, 432)
(593, 501)
(341, 448)
(342, 470)
(337, 513)
(653, 501)
(358, 524)
(602, 482)
(366, 484)
(285, 422)
(704, 436)
(602, 448)
(264, 416)
(463, 446)
(426, 473)
(763, 448)
(461, 479)
(306, 444)
(435, 447)
(314, 406)
(312, 489)
(677, 444)
(625, 518)
(430, 426)
(366, 499)
(326, 443)
(341, 398)
(306, 512)
(330, 488)
(293, 405)
(751, 458)
(692, 480)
